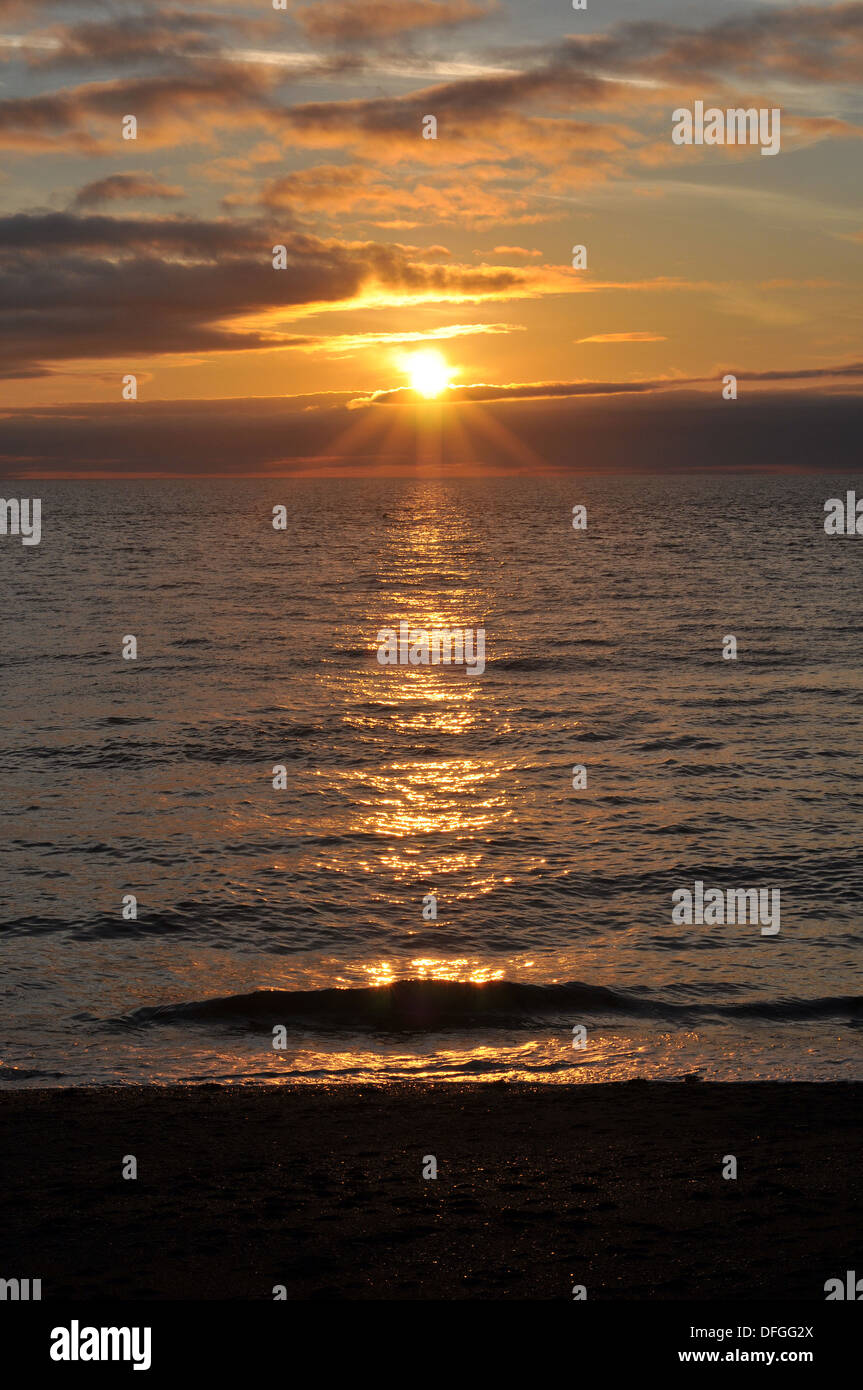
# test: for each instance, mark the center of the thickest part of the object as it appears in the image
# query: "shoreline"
(318, 1188)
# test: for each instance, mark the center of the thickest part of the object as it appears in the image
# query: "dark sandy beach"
(617, 1187)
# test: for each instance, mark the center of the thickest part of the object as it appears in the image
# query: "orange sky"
(304, 128)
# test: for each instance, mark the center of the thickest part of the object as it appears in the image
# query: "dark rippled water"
(302, 906)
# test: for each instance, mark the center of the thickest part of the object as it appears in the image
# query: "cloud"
(343, 21)
(549, 390)
(338, 343)
(467, 113)
(168, 109)
(808, 130)
(624, 338)
(639, 66)
(650, 432)
(841, 369)
(812, 43)
(13, 7)
(210, 82)
(527, 390)
(175, 38)
(124, 188)
(514, 252)
(109, 287)
(329, 191)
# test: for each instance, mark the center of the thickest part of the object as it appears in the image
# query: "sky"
(303, 127)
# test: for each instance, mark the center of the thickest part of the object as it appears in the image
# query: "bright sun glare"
(428, 372)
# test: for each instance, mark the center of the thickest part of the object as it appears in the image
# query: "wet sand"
(320, 1189)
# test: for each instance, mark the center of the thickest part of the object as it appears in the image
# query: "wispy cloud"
(117, 188)
(624, 338)
(345, 21)
(548, 390)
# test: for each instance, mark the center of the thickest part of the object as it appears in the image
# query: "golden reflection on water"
(422, 813)
(609, 1057)
(403, 809)
(435, 796)
(455, 969)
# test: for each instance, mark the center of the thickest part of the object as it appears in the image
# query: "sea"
(426, 890)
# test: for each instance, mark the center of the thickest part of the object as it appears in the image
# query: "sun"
(428, 372)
